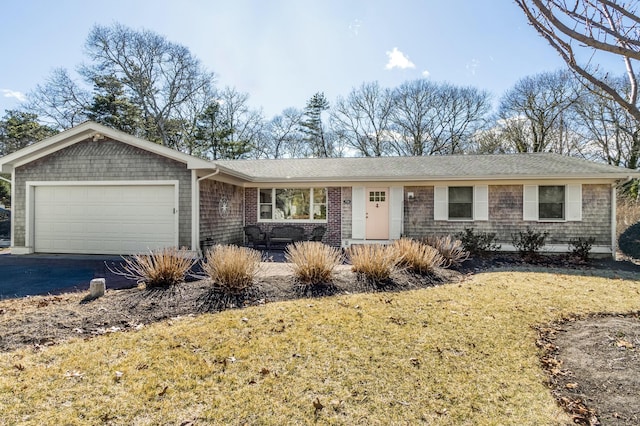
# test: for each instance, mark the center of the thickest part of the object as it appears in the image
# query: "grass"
(457, 354)
(376, 262)
(418, 257)
(449, 247)
(232, 269)
(160, 268)
(313, 262)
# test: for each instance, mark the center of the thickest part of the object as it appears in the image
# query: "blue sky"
(281, 52)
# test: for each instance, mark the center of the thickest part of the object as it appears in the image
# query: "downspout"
(6, 180)
(209, 175)
(196, 216)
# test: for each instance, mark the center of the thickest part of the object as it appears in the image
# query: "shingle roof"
(499, 166)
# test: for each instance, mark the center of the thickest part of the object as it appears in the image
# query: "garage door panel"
(112, 219)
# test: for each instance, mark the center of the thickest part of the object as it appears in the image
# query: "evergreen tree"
(214, 133)
(113, 108)
(19, 129)
(318, 144)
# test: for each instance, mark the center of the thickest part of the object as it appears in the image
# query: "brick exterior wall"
(222, 229)
(505, 216)
(332, 237)
(99, 161)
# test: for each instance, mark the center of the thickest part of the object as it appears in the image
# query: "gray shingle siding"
(221, 229)
(104, 160)
(505, 216)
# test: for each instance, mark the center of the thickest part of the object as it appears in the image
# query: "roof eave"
(324, 179)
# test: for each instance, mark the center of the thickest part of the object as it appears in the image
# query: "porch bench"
(286, 234)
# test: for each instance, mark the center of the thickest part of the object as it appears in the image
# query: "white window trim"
(572, 203)
(479, 204)
(273, 207)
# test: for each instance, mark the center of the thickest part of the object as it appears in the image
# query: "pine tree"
(315, 135)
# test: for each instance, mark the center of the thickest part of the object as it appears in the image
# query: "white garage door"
(114, 219)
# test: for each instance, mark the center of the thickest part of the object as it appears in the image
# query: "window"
(293, 204)
(460, 202)
(319, 203)
(377, 196)
(551, 202)
(266, 204)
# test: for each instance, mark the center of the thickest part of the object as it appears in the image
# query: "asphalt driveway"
(51, 274)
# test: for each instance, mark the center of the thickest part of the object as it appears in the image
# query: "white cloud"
(8, 93)
(426, 73)
(354, 27)
(397, 59)
(472, 66)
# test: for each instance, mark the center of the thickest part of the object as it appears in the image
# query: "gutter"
(209, 175)
(423, 178)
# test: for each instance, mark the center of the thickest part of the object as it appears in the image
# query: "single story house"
(92, 189)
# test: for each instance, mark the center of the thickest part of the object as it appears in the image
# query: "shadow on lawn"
(599, 267)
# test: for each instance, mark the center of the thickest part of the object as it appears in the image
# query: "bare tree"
(535, 115)
(462, 112)
(246, 124)
(413, 118)
(612, 134)
(429, 118)
(60, 101)
(159, 75)
(582, 31)
(362, 120)
(282, 137)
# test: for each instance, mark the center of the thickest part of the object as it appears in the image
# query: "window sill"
(292, 220)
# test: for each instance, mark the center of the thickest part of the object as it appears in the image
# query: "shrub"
(627, 214)
(232, 269)
(629, 241)
(160, 268)
(581, 247)
(451, 249)
(312, 261)
(418, 257)
(375, 261)
(529, 243)
(478, 243)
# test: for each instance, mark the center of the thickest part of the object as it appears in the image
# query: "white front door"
(377, 213)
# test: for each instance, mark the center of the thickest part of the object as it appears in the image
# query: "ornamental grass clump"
(375, 262)
(450, 248)
(232, 269)
(164, 267)
(418, 257)
(312, 262)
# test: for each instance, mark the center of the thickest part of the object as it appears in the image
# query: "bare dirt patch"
(594, 365)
